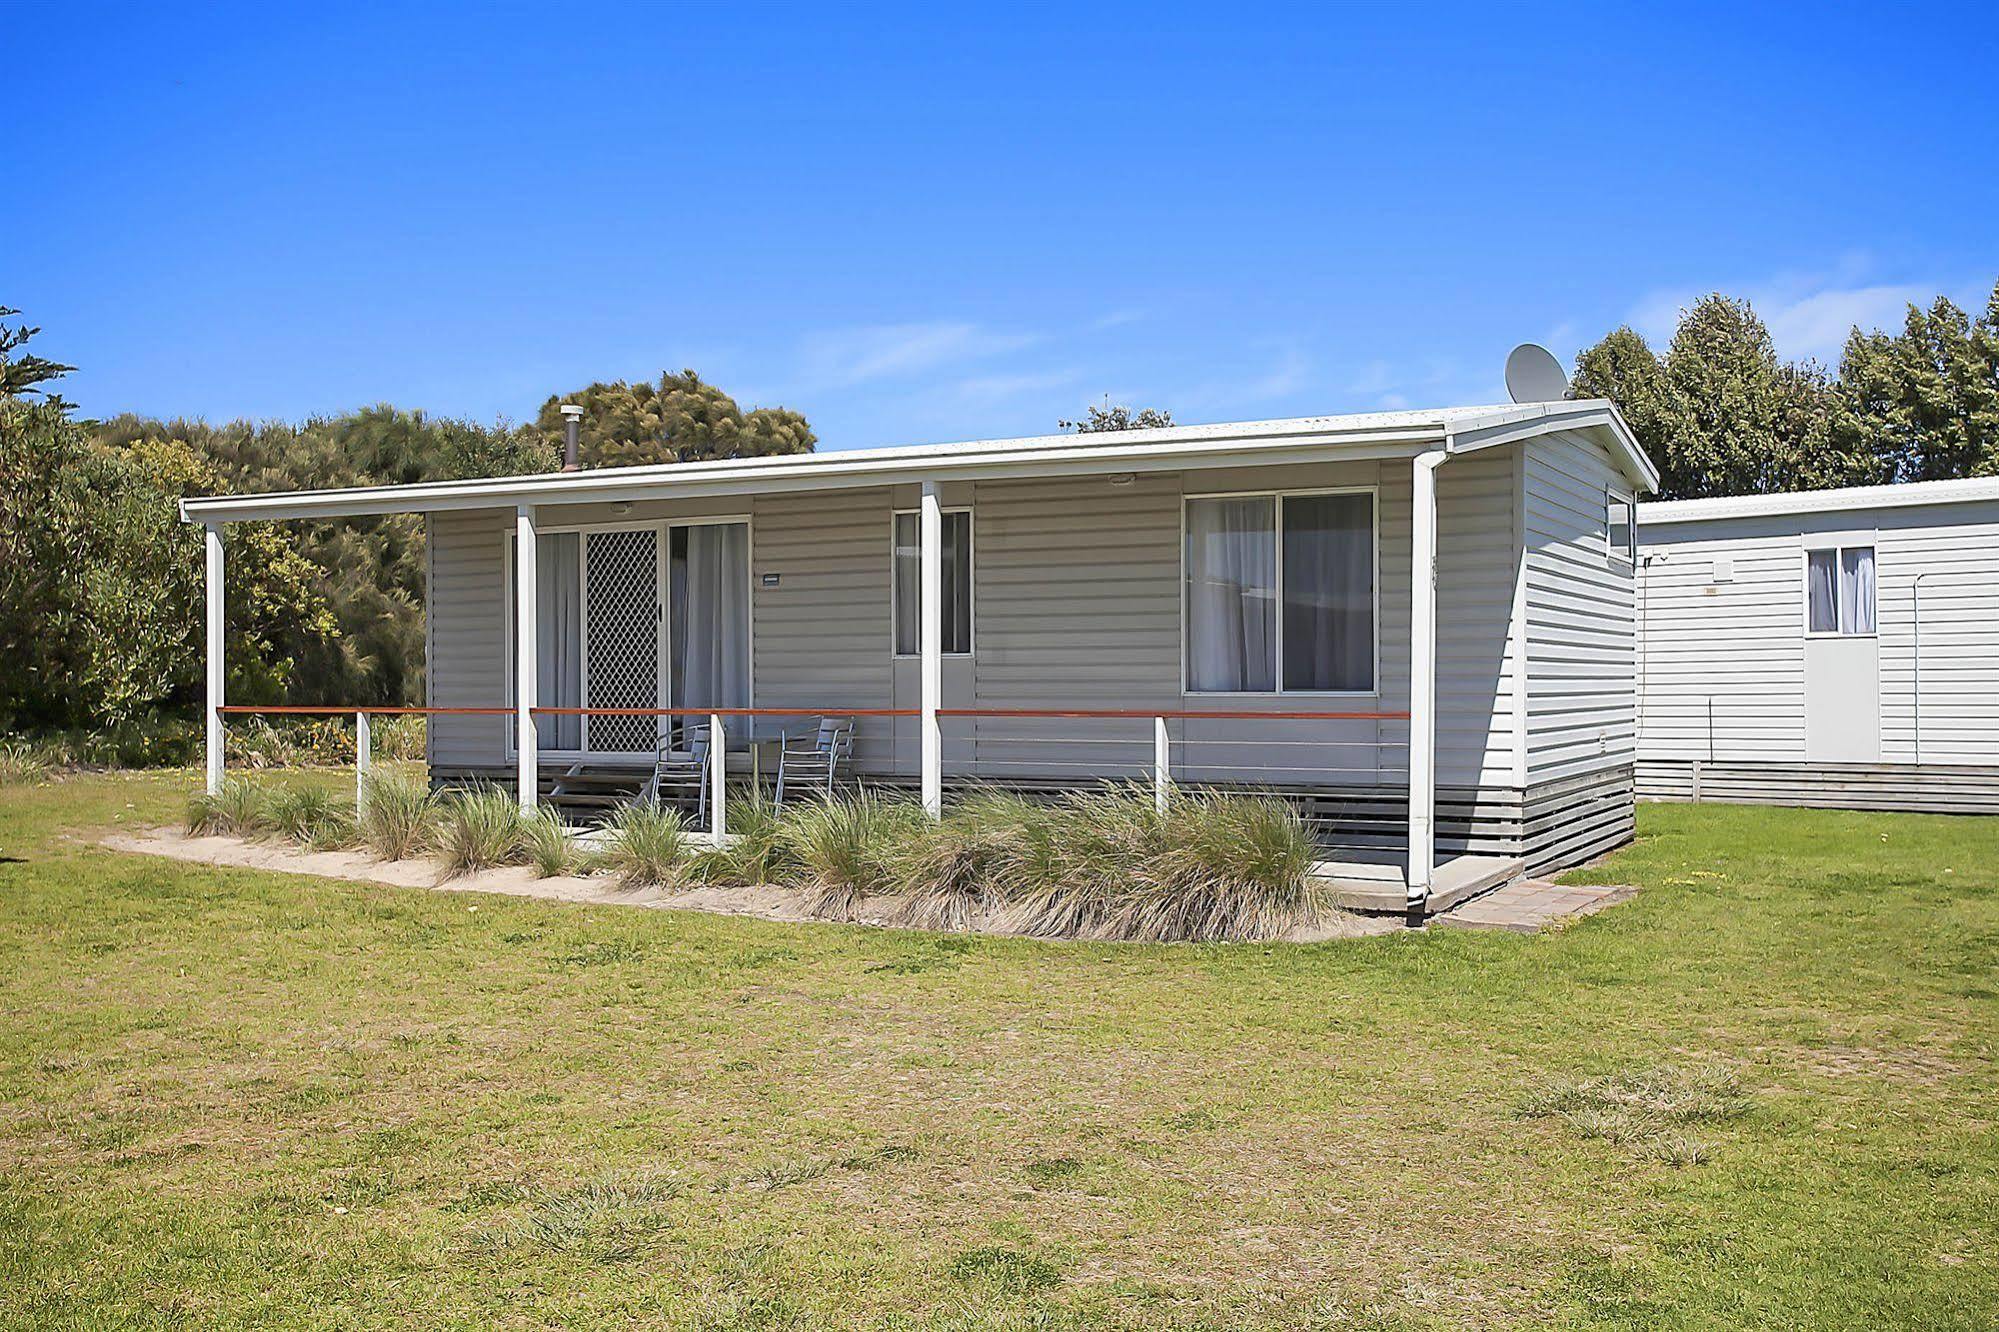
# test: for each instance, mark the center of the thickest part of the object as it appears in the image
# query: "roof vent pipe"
(572, 421)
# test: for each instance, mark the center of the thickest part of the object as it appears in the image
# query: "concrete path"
(1532, 905)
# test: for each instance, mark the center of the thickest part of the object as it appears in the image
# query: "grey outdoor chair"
(814, 763)
(680, 776)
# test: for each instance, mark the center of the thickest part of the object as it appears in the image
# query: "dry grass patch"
(1646, 1110)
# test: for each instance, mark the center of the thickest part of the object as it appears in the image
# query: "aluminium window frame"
(1277, 498)
(1837, 549)
(971, 582)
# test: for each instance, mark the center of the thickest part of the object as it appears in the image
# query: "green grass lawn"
(231, 1098)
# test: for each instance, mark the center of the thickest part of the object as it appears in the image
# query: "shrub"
(649, 846)
(1228, 866)
(479, 829)
(22, 763)
(312, 817)
(751, 854)
(548, 846)
(398, 737)
(400, 814)
(845, 848)
(238, 809)
(290, 742)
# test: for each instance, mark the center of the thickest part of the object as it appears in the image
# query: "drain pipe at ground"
(1423, 679)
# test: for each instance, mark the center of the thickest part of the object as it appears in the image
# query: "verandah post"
(930, 642)
(212, 730)
(718, 764)
(1162, 764)
(364, 753)
(1423, 678)
(527, 770)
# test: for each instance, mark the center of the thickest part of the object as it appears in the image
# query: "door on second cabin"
(1842, 654)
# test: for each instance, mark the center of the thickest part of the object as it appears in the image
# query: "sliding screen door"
(621, 581)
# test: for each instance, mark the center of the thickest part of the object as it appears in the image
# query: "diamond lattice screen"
(623, 638)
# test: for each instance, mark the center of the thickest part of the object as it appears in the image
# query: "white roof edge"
(1845, 500)
(1173, 446)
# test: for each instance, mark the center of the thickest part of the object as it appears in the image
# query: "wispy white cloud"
(842, 358)
(987, 389)
(1808, 314)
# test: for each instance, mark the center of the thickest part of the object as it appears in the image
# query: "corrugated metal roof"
(1848, 499)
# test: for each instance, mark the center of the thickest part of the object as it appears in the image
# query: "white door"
(1842, 654)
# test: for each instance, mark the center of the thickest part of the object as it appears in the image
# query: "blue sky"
(917, 224)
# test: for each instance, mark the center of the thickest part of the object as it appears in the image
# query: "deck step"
(1368, 891)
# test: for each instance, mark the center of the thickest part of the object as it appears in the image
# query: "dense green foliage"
(1758, 1095)
(1103, 416)
(1722, 415)
(680, 419)
(101, 583)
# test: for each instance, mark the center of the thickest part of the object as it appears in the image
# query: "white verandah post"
(364, 755)
(718, 777)
(526, 668)
(930, 640)
(1423, 678)
(1162, 765)
(212, 731)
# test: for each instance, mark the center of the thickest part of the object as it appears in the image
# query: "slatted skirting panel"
(1577, 818)
(1928, 788)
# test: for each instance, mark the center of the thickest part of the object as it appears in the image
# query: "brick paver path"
(1532, 905)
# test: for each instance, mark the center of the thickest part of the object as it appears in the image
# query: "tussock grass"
(479, 829)
(23, 764)
(752, 854)
(313, 817)
(401, 815)
(604, 1219)
(843, 849)
(1096, 841)
(1646, 1110)
(241, 808)
(1007, 1270)
(548, 846)
(649, 847)
(992, 849)
(1228, 866)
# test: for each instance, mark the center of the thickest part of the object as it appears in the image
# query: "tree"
(1721, 415)
(1103, 416)
(1930, 395)
(683, 418)
(20, 374)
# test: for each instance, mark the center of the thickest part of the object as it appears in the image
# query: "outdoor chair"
(813, 763)
(680, 776)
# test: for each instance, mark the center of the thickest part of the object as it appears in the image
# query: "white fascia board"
(1849, 499)
(816, 472)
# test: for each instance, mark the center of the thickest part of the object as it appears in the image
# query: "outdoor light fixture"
(572, 420)
(1122, 479)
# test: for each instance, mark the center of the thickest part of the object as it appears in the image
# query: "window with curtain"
(1620, 529)
(906, 592)
(558, 637)
(1839, 590)
(1280, 594)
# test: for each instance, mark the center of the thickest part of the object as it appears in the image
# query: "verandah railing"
(1256, 757)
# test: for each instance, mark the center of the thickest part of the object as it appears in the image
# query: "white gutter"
(1423, 677)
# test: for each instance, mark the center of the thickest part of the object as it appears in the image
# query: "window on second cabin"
(1619, 527)
(907, 590)
(1839, 590)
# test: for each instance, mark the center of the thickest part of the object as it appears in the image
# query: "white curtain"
(558, 639)
(1822, 595)
(712, 666)
(908, 569)
(1231, 595)
(1329, 592)
(1856, 590)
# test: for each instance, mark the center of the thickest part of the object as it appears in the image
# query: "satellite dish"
(1534, 375)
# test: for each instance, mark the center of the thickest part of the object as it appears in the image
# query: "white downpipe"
(930, 640)
(1423, 677)
(364, 756)
(216, 674)
(527, 670)
(718, 771)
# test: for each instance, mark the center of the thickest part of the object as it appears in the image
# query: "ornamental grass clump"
(239, 809)
(22, 764)
(991, 850)
(751, 854)
(1086, 854)
(649, 847)
(844, 848)
(547, 845)
(312, 817)
(399, 816)
(1229, 866)
(479, 829)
